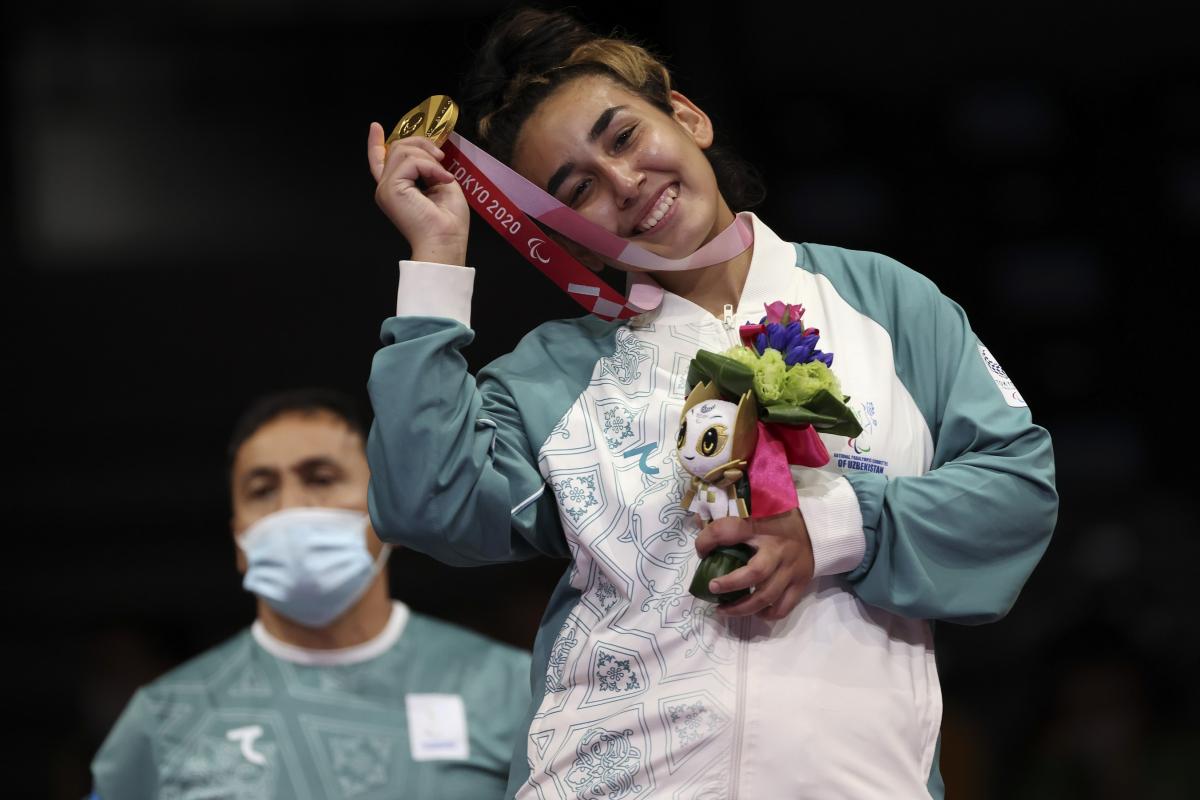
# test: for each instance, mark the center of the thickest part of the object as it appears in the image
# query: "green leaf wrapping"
(732, 378)
(797, 415)
(721, 561)
(826, 413)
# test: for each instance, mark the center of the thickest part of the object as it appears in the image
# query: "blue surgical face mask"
(310, 564)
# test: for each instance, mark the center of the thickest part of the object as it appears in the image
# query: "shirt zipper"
(730, 326)
(739, 717)
(741, 626)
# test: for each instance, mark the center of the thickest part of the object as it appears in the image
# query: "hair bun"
(529, 53)
(525, 42)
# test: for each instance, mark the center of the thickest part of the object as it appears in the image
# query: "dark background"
(190, 222)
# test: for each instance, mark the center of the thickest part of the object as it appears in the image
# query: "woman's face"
(625, 165)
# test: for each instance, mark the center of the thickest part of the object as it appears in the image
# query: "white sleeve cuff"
(435, 290)
(834, 521)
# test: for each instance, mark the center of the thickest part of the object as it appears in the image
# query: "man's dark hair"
(295, 401)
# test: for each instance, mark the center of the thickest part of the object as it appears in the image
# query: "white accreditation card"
(437, 727)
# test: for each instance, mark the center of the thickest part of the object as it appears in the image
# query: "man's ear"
(375, 545)
(240, 554)
(693, 120)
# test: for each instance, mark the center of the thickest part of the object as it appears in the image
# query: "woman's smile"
(660, 212)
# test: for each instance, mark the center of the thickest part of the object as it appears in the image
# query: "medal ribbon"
(508, 220)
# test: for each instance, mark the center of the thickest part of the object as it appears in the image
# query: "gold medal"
(433, 119)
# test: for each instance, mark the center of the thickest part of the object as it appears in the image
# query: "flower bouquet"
(750, 413)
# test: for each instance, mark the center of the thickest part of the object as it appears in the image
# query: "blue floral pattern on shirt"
(615, 674)
(606, 765)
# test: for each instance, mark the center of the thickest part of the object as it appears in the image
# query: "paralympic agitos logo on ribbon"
(534, 243)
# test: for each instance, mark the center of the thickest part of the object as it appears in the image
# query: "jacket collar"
(772, 268)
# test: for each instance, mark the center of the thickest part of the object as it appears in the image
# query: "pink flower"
(783, 313)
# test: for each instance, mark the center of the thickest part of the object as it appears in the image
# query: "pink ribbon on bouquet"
(771, 488)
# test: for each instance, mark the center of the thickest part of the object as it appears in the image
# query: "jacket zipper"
(741, 627)
(739, 716)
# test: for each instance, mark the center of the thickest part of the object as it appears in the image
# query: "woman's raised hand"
(420, 196)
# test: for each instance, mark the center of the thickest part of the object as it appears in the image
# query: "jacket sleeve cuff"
(435, 290)
(835, 526)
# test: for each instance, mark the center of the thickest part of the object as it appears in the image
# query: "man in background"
(335, 690)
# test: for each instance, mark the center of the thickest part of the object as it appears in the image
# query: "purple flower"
(797, 345)
(783, 330)
(777, 336)
(801, 350)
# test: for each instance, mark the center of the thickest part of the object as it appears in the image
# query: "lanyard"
(508, 220)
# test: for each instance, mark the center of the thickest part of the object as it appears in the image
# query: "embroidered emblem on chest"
(865, 455)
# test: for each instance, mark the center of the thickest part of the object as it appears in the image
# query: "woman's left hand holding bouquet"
(780, 570)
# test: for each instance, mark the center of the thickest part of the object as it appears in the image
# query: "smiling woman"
(821, 682)
(626, 165)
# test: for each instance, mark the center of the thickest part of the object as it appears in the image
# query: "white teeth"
(659, 211)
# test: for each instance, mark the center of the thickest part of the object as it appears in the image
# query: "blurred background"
(189, 222)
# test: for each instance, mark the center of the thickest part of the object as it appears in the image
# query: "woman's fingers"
(406, 157)
(376, 150)
(381, 156)
(760, 568)
(415, 144)
(777, 574)
(723, 531)
(762, 597)
(406, 165)
(430, 171)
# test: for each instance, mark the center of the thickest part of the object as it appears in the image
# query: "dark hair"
(306, 402)
(528, 54)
